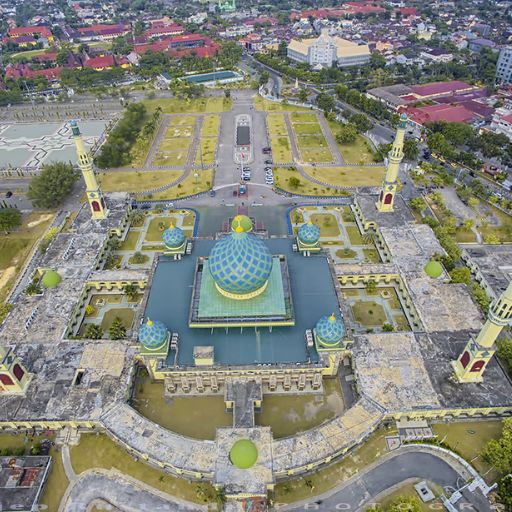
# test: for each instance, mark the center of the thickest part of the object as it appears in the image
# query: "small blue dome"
(330, 330)
(173, 237)
(153, 335)
(309, 233)
(240, 263)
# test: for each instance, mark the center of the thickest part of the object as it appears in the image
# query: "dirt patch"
(42, 218)
(6, 275)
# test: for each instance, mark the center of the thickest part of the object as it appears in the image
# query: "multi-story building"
(504, 66)
(326, 51)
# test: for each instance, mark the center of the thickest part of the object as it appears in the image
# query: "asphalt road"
(361, 490)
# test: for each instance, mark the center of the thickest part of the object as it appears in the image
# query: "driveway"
(360, 490)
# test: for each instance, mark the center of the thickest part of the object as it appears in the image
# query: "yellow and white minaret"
(470, 366)
(395, 156)
(94, 195)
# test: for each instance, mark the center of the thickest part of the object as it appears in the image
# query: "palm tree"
(130, 291)
(117, 330)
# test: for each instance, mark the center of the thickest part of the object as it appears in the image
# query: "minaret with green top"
(94, 196)
(395, 156)
(470, 366)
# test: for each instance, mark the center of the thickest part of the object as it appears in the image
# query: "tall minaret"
(94, 195)
(395, 156)
(470, 366)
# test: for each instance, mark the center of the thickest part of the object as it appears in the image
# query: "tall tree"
(52, 185)
(117, 330)
(9, 218)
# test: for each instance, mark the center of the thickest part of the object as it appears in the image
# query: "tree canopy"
(52, 185)
(9, 218)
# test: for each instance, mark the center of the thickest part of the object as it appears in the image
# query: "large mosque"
(244, 315)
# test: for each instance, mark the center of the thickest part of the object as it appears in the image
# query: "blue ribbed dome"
(173, 237)
(240, 263)
(153, 335)
(330, 330)
(309, 233)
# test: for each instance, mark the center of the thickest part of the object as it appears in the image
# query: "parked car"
(269, 162)
(8, 194)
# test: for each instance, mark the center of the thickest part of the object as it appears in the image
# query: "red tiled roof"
(507, 119)
(408, 11)
(432, 113)
(103, 28)
(23, 31)
(156, 30)
(107, 61)
(440, 88)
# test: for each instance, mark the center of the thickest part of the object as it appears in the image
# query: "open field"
(98, 451)
(271, 106)
(136, 181)
(170, 158)
(327, 223)
(502, 232)
(199, 105)
(208, 140)
(56, 484)
(352, 176)
(359, 152)
(305, 187)
(311, 141)
(281, 150)
(316, 155)
(277, 125)
(303, 117)
(190, 185)
(307, 129)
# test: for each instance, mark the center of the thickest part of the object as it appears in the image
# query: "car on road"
(268, 169)
(269, 162)
(8, 194)
(246, 177)
(212, 193)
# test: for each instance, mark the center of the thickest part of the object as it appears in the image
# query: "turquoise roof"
(240, 263)
(153, 334)
(330, 329)
(309, 233)
(173, 237)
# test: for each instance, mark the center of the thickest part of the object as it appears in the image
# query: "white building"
(502, 122)
(504, 66)
(326, 51)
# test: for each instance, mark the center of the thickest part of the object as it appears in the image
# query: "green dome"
(241, 221)
(153, 335)
(51, 279)
(433, 268)
(173, 237)
(243, 454)
(309, 233)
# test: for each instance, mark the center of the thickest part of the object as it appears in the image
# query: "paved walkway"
(329, 137)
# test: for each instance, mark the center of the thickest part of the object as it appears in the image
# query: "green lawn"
(145, 258)
(369, 313)
(178, 131)
(354, 235)
(465, 236)
(171, 158)
(327, 223)
(273, 106)
(305, 187)
(190, 185)
(502, 232)
(316, 155)
(359, 152)
(130, 242)
(311, 141)
(136, 181)
(206, 151)
(211, 104)
(371, 255)
(277, 125)
(125, 314)
(307, 129)
(409, 491)
(348, 176)
(211, 126)
(346, 253)
(177, 121)
(56, 484)
(99, 451)
(281, 150)
(157, 226)
(303, 117)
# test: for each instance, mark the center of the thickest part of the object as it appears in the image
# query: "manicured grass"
(171, 158)
(178, 131)
(56, 484)
(354, 235)
(468, 439)
(465, 236)
(273, 106)
(346, 253)
(182, 121)
(175, 144)
(316, 155)
(277, 125)
(130, 242)
(130, 260)
(190, 185)
(359, 152)
(327, 223)
(177, 106)
(311, 141)
(281, 150)
(353, 176)
(297, 217)
(369, 313)
(125, 314)
(208, 147)
(305, 187)
(401, 322)
(307, 129)
(100, 451)
(503, 232)
(136, 181)
(372, 255)
(211, 126)
(303, 117)
(409, 491)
